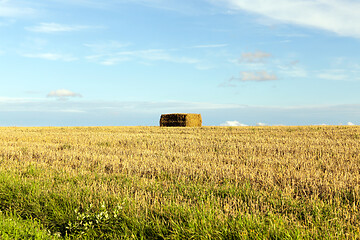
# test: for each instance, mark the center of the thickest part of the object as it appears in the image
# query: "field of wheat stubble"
(182, 183)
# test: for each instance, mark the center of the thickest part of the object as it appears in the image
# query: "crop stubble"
(313, 165)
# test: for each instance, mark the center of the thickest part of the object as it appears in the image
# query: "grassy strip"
(14, 227)
(66, 205)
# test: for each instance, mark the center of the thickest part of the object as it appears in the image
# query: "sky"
(126, 62)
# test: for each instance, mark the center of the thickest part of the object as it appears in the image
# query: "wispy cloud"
(341, 69)
(339, 16)
(350, 124)
(112, 61)
(233, 124)
(161, 55)
(115, 52)
(249, 76)
(254, 57)
(107, 53)
(210, 46)
(8, 101)
(342, 72)
(63, 93)
(11, 9)
(336, 77)
(149, 55)
(105, 4)
(56, 28)
(258, 76)
(183, 7)
(108, 46)
(7, 22)
(293, 69)
(294, 72)
(252, 64)
(293, 35)
(51, 56)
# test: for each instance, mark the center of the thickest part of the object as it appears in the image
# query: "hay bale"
(180, 120)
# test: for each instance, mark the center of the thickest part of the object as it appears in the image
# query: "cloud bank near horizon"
(73, 112)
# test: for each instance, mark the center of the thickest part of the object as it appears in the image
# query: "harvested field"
(180, 183)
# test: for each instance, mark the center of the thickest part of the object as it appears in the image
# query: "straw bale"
(181, 120)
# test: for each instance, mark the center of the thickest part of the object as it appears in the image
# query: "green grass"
(14, 227)
(73, 211)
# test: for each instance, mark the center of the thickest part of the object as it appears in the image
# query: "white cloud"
(160, 55)
(249, 76)
(294, 35)
(329, 76)
(339, 16)
(254, 57)
(203, 67)
(55, 27)
(114, 52)
(210, 46)
(257, 76)
(337, 74)
(10, 10)
(111, 58)
(296, 72)
(350, 124)
(107, 46)
(233, 124)
(292, 69)
(51, 56)
(63, 93)
(113, 61)
(8, 101)
(261, 124)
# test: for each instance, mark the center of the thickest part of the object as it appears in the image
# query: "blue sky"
(125, 62)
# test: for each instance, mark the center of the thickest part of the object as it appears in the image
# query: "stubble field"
(180, 183)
